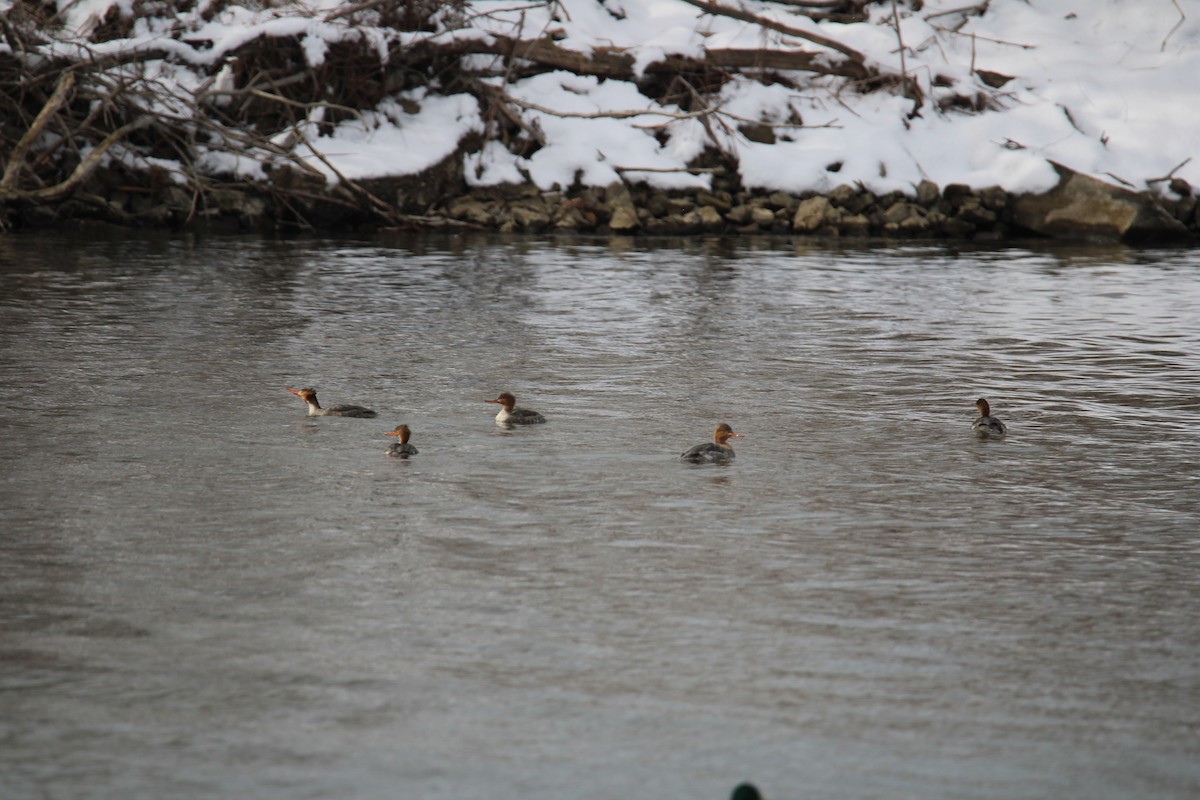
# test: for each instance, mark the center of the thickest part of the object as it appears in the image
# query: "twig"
(689, 170)
(1171, 32)
(745, 16)
(1171, 174)
(944, 29)
(900, 40)
(981, 8)
(17, 157)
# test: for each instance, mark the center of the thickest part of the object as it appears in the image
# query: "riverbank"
(1079, 208)
(843, 118)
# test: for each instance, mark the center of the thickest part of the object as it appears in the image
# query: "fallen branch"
(719, 10)
(81, 172)
(1171, 174)
(16, 158)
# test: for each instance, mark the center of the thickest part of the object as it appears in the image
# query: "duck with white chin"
(511, 415)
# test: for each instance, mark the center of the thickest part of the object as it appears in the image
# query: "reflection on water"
(205, 594)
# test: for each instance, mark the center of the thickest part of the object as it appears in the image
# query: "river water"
(204, 594)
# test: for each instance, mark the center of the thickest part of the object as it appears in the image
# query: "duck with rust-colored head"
(400, 448)
(309, 396)
(717, 451)
(986, 424)
(511, 415)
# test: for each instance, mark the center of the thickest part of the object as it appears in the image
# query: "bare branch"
(1171, 32)
(745, 16)
(17, 157)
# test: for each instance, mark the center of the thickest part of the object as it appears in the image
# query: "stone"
(972, 211)
(856, 225)
(762, 217)
(658, 205)
(812, 214)
(955, 228)
(993, 198)
(740, 214)
(471, 210)
(842, 195)
(782, 200)
(927, 193)
(530, 216)
(705, 217)
(624, 215)
(1083, 207)
(955, 193)
(900, 211)
(757, 132)
(719, 201)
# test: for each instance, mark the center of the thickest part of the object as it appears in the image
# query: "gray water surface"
(204, 594)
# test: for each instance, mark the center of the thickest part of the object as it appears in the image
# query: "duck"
(309, 396)
(511, 415)
(400, 448)
(987, 425)
(716, 451)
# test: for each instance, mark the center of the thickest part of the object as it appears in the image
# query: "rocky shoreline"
(1079, 208)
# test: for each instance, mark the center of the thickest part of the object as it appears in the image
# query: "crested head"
(308, 394)
(505, 399)
(401, 432)
(724, 432)
(984, 409)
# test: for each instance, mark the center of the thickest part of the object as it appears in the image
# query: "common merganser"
(309, 396)
(987, 425)
(401, 448)
(510, 415)
(715, 451)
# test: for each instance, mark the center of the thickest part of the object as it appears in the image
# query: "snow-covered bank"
(733, 95)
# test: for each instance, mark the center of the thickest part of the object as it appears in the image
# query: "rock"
(914, 225)
(720, 201)
(624, 215)
(955, 193)
(679, 205)
(1180, 187)
(927, 193)
(1083, 207)
(571, 215)
(674, 225)
(954, 228)
(972, 211)
(900, 211)
(762, 217)
(812, 214)
(993, 198)
(842, 195)
(530, 216)
(1185, 209)
(740, 214)
(705, 217)
(782, 200)
(658, 205)
(469, 209)
(856, 225)
(757, 132)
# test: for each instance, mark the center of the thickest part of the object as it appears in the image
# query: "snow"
(1106, 87)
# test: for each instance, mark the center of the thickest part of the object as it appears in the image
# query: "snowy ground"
(1107, 87)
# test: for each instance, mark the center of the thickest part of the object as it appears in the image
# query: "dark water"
(204, 594)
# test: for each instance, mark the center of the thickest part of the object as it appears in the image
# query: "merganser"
(401, 448)
(309, 396)
(510, 415)
(715, 451)
(987, 425)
